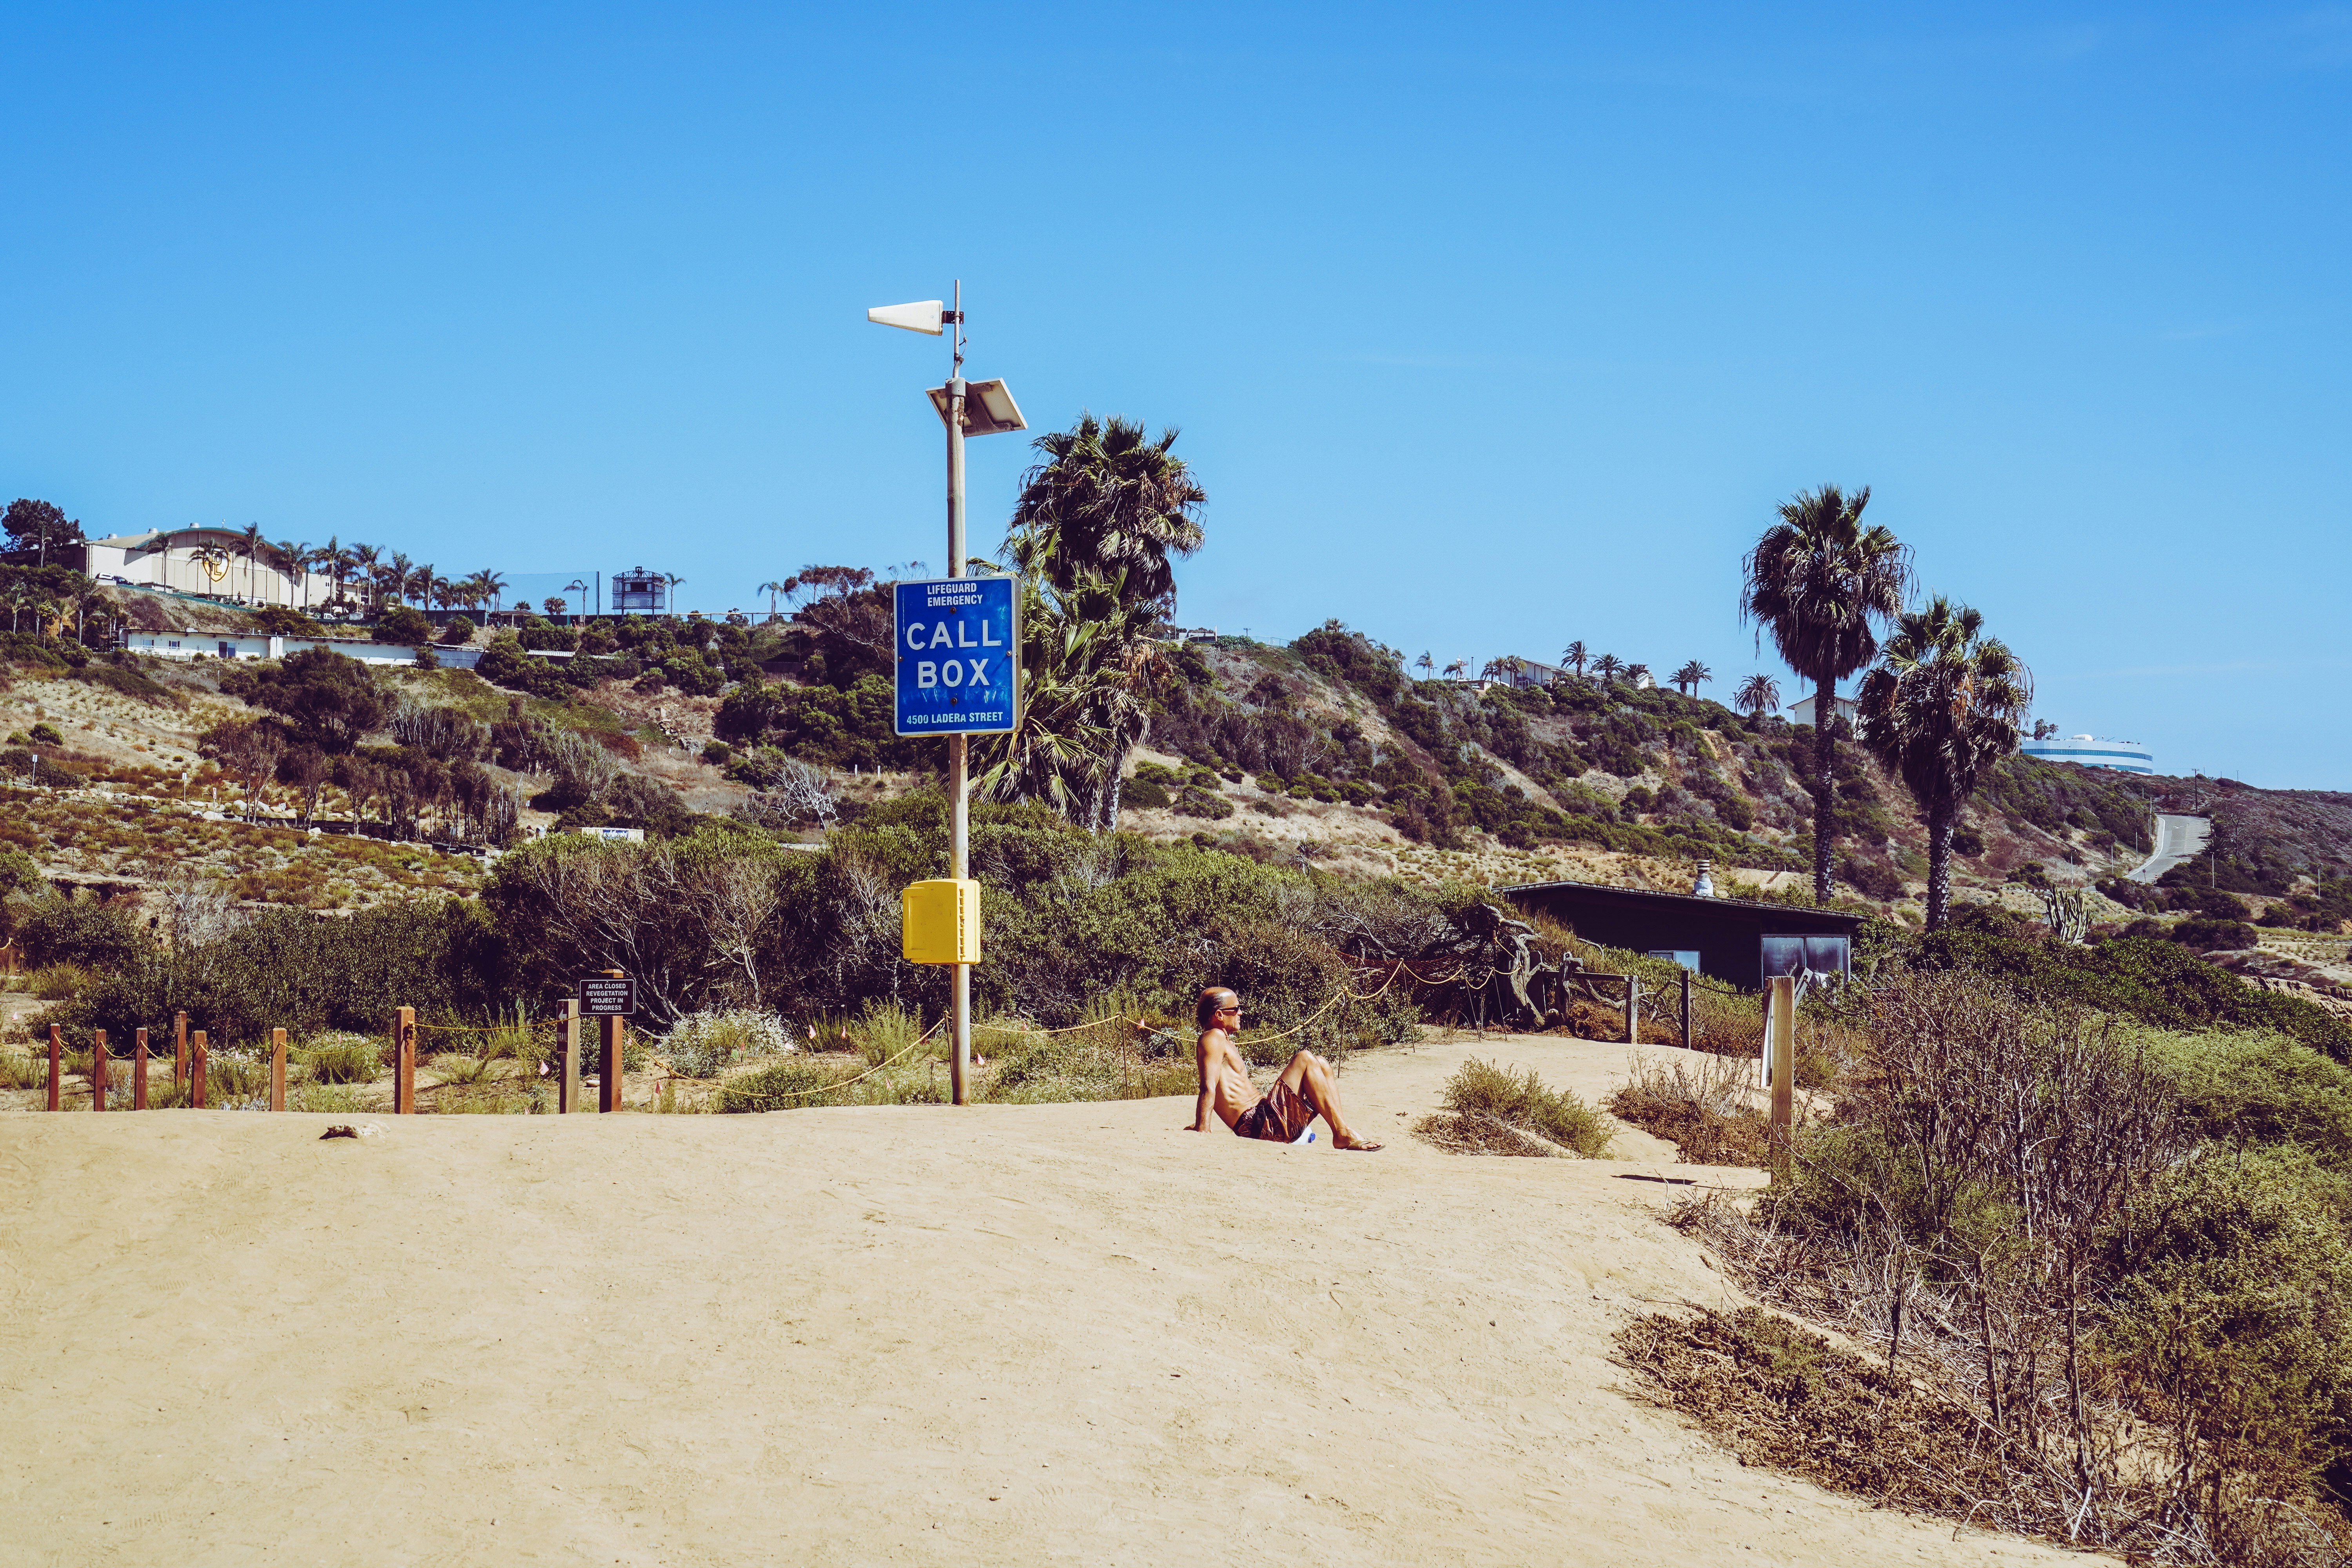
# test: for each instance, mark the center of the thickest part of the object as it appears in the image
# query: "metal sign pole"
(959, 781)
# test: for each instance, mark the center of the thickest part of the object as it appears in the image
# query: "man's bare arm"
(1200, 1105)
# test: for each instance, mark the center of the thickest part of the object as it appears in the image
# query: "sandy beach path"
(1067, 1333)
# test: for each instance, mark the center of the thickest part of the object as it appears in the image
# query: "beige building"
(209, 561)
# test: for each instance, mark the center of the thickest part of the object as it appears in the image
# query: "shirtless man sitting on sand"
(1304, 1089)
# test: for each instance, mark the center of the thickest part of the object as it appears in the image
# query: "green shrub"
(80, 931)
(59, 982)
(2159, 983)
(2256, 1086)
(704, 1045)
(1145, 794)
(458, 632)
(341, 1058)
(45, 734)
(789, 1085)
(1484, 1091)
(404, 624)
(2231, 1319)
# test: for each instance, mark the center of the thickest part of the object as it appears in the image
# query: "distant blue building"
(2124, 756)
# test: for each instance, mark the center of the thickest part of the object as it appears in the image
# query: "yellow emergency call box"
(941, 922)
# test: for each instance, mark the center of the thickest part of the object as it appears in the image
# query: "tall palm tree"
(1943, 705)
(249, 545)
(772, 590)
(288, 557)
(1086, 666)
(1820, 583)
(1574, 656)
(1691, 676)
(330, 557)
(422, 582)
(1428, 665)
(1109, 502)
(397, 572)
(1606, 667)
(1758, 695)
(363, 563)
(1636, 673)
(490, 585)
(672, 580)
(1092, 537)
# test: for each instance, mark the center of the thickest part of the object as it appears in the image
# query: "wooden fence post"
(198, 1052)
(99, 1063)
(56, 1065)
(1632, 1009)
(567, 1031)
(276, 1069)
(403, 1061)
(608, 1067)
(139, 1070)
(179, 1053)
(1686, 1039)
(1781, 1054)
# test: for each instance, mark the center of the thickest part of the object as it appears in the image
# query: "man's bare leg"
(1309, 1077)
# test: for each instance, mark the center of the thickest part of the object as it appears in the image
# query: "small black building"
(1732, 938)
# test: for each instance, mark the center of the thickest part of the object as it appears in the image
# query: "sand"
(1068, 1334)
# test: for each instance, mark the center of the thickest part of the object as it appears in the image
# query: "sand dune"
(1068, 1334)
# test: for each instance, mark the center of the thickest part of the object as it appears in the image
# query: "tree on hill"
(37, 525)
(1757, 696)
(1691, 676)
(1575, 656)
(1108, 502)
(1099, 525)
(1606, 667)
(1818, 581)
(327, 699)
(1942, 706)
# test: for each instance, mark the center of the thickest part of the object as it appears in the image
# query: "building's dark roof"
(1690, 902)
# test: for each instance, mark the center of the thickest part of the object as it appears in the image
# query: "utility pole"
(959, 746)
(942, 918)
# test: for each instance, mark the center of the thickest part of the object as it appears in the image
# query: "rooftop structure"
(2090, 752)
(1737, 940)
(639, 591)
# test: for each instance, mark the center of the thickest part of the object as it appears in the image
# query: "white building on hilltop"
(2124, 756)
(207, 561)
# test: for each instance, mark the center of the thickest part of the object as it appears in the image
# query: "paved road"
(2178, 838)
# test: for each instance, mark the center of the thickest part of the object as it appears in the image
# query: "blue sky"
(1487, 328)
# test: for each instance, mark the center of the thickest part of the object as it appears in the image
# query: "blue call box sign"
(958, 656)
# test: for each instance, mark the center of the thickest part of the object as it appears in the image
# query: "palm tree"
(490, 585)
(421, 583)
(1086, 666)
(250, 546)
(1758, 695)
(1107, 502)
(288, 558)
(1818, 580)
(1459, 667)
(1943, 705)
(1636, 673)
(397, 574)
(331, 556)
(672, 580)
(363, 562)
(1092, 538)
(1690, 676)
(772, 590)
(1606, 667)
(1574, 656)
